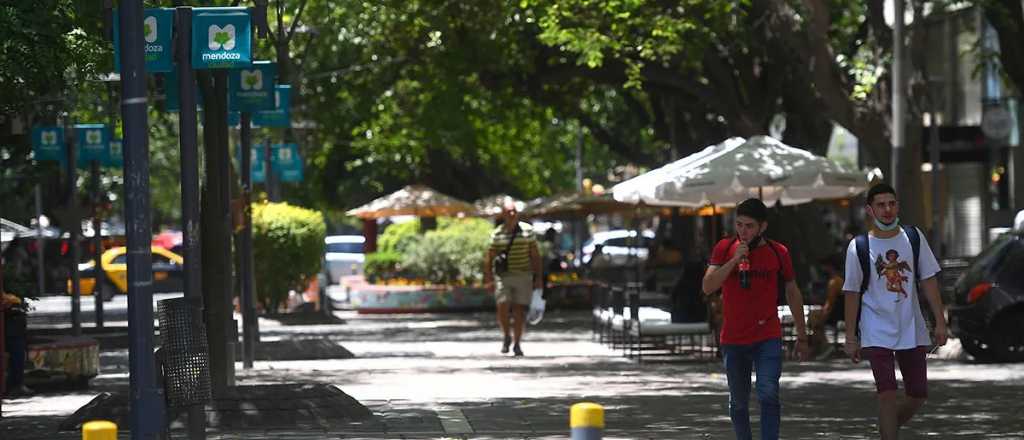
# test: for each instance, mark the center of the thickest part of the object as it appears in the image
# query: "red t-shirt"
(751, 315)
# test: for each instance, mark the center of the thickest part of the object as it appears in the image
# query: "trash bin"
(184, 355)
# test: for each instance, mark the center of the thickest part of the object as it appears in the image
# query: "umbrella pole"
(760, 193)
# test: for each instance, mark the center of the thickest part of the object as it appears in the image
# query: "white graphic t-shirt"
(890, 311)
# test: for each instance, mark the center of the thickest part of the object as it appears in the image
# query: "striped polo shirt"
(519, 254)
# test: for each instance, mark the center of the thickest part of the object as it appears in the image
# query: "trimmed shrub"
(288, 244)
(381, 265)
(398, 237)
(451, 254)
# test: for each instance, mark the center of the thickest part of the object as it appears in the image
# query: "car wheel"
(1007, 342)
(977, 348)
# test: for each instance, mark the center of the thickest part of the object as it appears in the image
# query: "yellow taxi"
(167, 272)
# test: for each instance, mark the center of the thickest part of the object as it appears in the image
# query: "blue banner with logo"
(115, 156)
(234, 119)
(251, 89)
(221, 38)
(286, 162)
(257, 165)
(281, 115)
(172, 95)
(157, 26)
(93, 142)
(48, 143)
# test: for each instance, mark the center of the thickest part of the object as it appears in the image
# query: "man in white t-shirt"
(891, 327)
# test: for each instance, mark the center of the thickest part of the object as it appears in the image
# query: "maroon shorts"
(912, 366)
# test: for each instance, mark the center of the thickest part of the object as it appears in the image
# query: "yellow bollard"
(99, 430)
(586, 420)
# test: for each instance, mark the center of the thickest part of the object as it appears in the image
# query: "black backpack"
(862, 244)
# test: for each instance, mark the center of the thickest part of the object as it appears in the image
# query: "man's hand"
(941, 334)
(742, 249)
(803, 349)
(852, 349)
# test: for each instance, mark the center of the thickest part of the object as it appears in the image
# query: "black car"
(987, 311)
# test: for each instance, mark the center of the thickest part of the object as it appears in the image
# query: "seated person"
(832, 311)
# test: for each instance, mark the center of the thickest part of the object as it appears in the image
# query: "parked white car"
(618, 247)
(343, 255)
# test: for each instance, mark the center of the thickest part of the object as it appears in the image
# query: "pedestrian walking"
(512, 268)
(884, 270)
(753, 272)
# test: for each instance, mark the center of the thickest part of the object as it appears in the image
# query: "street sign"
(221, 38)
(256, 163)
(234, 119)
(48, 143)
(171, 93)
(93, 142)
(281, 115)
(115, 158)
(286, 162)
(157, 29)
(252, 88)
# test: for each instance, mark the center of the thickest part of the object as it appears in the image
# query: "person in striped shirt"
(513, 287)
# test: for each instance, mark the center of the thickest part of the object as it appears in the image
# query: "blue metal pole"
(147, 406)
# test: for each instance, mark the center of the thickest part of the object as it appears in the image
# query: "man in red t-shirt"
(747, 268)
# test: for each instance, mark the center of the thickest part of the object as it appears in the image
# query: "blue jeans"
(765, 358)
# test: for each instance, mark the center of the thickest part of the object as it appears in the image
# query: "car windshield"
(348, 248)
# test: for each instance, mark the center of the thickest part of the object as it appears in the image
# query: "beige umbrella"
(492, 206)
(575, 205)
(415, 200)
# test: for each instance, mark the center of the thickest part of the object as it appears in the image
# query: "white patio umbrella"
(641, 189)
(759, 167)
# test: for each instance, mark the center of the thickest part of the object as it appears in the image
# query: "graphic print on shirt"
(892, 269)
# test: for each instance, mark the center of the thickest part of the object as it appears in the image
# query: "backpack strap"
(915, 244)
(778, 275)
(864, 257)
(862, 243)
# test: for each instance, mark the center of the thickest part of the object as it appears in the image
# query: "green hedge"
(288, 244)
(381, 265)
(451, 254)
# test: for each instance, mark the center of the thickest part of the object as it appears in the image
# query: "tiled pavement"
(439, 376)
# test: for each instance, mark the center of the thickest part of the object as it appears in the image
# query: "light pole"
(898, 101)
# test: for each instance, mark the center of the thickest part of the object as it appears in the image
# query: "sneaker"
(505, 344)
(517, 351)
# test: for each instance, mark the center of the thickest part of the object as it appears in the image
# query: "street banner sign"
(256, 163)
(251, 88)
(48, 143)
(281, 115)
(157, 24)
(93, 142)
(116, 154)
(221, 38)
(172, 101)
(286, 162)
(234, 119)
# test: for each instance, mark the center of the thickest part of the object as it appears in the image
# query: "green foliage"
(381, 265)
(453, 253)
(288, 246)
(398, 237)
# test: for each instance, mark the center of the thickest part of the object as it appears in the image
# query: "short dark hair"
(753, 208)
(880, 188)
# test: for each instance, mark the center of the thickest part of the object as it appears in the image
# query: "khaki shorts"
(514, 287)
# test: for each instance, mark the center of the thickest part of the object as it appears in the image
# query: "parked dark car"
(987, 312)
